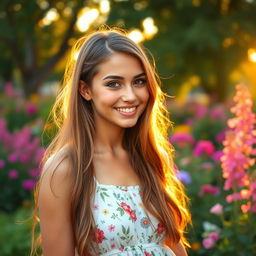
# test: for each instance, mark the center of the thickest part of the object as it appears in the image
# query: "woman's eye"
(140, 82)
(113, 84)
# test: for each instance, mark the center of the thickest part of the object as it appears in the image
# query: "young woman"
(108, 184)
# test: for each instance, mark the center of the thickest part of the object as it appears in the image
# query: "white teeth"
(126, 110)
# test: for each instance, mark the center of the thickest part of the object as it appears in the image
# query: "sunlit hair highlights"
(150, 153)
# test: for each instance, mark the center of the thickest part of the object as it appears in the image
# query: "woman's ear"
(84, 90)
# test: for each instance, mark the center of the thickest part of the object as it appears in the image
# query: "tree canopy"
(207, 39)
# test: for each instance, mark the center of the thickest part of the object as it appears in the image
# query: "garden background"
(205, 53)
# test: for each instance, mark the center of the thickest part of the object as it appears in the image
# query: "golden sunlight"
(149, 28)
(86, 18)
(51, 15)
(104, 6)
(252, 55)
(136, 35)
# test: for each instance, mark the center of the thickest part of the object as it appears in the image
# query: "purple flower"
(182, 138)
(25, 158)
(2, 163)
(34, 172)
(220, 137)
(184, 177)
(203, 147)
(31, 109)
(13, 174)
(28, 184)
(39, 154)
(217, 156)
(13, 157)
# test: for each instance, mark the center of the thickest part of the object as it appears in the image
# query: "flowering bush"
(20, 147)
(219, 181)
(20, 154)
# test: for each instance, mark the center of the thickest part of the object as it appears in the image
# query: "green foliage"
(201, 39)
(15, 233)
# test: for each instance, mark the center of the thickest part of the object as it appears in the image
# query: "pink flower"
(24, 158)
(147, 254)
(214, 236)
(34, 172)
(39, 154)
(217, 209)
(13, 174)
(220, 137)
(28, 184)
(217, 156)
(208, 243)
(203, 147)
(239, 153)
(31, 109)
(13, 157)
(246, 207)
(208, 188)
(182, 139)
(113, 246)
(111, 228)
(2, 163)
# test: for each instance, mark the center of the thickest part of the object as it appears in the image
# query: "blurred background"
(202, 50)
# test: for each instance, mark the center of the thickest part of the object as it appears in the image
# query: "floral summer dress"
(122, 227)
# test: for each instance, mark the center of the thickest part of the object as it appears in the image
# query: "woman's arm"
(54, 210)
(178, 249)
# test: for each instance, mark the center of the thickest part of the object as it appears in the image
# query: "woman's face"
(119, 91)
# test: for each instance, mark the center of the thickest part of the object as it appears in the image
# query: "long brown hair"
(150, 152)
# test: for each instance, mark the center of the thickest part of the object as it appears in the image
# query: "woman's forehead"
(120, 64)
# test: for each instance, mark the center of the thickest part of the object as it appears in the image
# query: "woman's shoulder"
(57, 171)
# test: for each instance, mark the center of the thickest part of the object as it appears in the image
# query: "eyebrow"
(122, 78)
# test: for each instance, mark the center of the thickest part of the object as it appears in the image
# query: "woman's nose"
(128, 94)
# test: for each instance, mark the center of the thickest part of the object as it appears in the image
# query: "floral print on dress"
(122, 226)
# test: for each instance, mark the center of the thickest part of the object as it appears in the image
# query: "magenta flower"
(217, 156)
(2, 163)
(182, 139)
(34, 172)
(13, 174)
(220, 137)
(209, 189)
(31, 109)
(238, 149)
(28, 184)
(13, 157)
(204, 147)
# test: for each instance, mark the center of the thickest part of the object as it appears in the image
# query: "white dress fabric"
(122, 226)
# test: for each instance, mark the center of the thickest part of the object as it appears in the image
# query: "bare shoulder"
(56, 178)
(54, 202)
